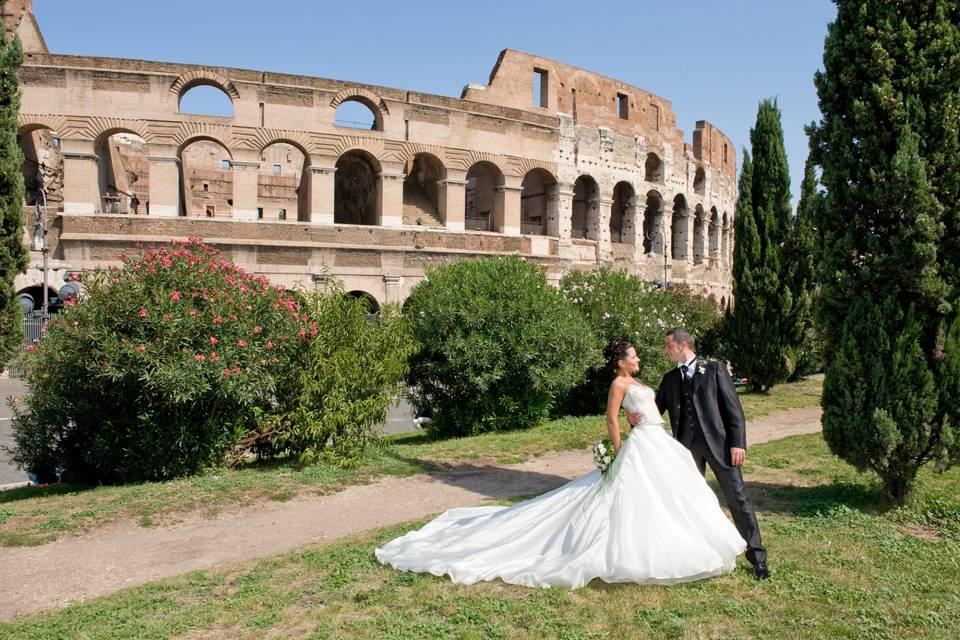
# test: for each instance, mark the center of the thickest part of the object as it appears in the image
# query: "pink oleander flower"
(241, 343)
(218, 320)
(214, 357)
(226, 372)
(141, 348)
(269, 344)
(143, 313)
(257, 329)
(175, 296)
(214, 341)
(199, 357)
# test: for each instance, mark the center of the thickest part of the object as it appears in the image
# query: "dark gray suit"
(706, 416)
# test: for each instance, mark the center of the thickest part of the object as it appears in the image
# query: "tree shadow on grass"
(814, 500)
(491, 481)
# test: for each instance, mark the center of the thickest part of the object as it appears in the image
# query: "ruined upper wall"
(594, 100)
(18, 18)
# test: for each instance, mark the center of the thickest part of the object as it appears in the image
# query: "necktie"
(683, 370)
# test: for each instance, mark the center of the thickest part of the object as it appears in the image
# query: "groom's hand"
(634, 418)
(737, 456)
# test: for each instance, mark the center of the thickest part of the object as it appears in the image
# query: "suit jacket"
(718, 409)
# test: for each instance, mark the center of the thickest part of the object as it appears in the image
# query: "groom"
(706, 416)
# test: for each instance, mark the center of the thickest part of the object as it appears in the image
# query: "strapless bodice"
(642, 400)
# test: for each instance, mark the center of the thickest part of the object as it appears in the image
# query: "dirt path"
(124, 555)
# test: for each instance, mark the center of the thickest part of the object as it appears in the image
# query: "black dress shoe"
(760, 571)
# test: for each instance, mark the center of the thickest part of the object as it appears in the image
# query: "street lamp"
(40, 243)
(653, 233)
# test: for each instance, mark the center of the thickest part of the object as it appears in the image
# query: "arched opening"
(206, 179)
(653, 231)
(31, 300)
(621, 225)
(123, 173)
(699, 234)
(421, 191)
(653, 169)
(537, 185)
(725, 238)
(358, 113)
(483, 178)
(371, 304)
(586, 202)
(283, 183)
(206, 100)
(714, 234)
(42, 167)
(678, 227)
(700, 182)
(356, 186)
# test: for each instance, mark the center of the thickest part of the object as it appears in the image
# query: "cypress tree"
(798, 262)
(13, 255)
(888, 231)
(760, 340)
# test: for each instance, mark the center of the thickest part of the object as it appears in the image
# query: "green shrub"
(355, 369)
(618, 305)
(159, 369)
(498, 345)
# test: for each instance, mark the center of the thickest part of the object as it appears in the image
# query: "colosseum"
(565, 167)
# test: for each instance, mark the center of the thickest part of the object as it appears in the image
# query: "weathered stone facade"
(566, 167)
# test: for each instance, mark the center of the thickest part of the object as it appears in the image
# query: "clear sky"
(713, 59)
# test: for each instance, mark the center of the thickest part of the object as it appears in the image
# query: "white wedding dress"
(651, 519)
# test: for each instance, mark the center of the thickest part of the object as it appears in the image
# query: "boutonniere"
(702, 367)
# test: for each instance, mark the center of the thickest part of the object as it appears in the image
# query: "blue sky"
(715, 60)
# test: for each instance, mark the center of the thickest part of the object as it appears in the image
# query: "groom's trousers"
(731, 481)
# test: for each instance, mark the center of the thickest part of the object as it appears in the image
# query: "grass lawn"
(33, 516)
(843, 567)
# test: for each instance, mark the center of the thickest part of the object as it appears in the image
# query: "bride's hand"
(634, 418)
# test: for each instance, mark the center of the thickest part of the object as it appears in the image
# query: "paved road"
(8, 472)
(399, 419)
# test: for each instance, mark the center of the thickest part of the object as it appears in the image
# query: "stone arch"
(585, 212)
(356, 188)
(700, 182)
(653, 170)
(370, 100)
(123, 170)
(699, 234)
(207, 100)
(653, 229)
(421, 190)
(42, 166)
(726, 249)
(714, 233)
(301, 142)
(283, 181)
(621, 212)
(206, 177)
(678, 249)
(201, 77)
(539, 190)
(482, 202)
(373, 306)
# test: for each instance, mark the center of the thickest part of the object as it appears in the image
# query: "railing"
(122, 204)
(34, 328)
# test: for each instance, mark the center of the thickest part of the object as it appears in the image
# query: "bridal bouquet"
(603, 454)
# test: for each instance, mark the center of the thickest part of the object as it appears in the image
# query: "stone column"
(601, 212)
(632, 229)
(452, 199)
(164, 197)
(506, 207)
(245, 189)
(390, 198)
(394, 289)
(552, 209)
(322, 180)
(559, 222)
(80, 177)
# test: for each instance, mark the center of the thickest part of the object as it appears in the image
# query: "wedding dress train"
(651, 518)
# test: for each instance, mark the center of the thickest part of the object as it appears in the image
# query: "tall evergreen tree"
(798, 262)
(13, 255)
(889, 232)
(760, 340)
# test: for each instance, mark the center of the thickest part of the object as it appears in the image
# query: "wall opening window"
(540, 87)
(276, 169)
(259, 213)
(206, 100)
(211, 211)
(282, 214)
(357, 114)
(225, 165)
(623, 106)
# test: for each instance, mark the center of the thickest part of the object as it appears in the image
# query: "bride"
(651, 518)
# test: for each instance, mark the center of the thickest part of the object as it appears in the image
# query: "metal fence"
(33, 329)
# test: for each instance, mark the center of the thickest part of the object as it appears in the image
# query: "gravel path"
(76, 568)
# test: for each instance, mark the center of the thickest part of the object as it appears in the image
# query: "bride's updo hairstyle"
(615, 351)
